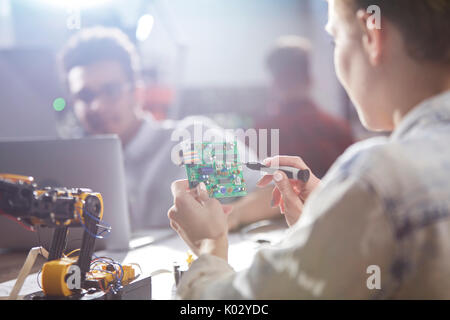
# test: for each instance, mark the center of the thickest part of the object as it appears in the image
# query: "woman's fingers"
(276, 197)
(296, 187)
(278, 161)
(227, 208)
(179, 187)
(171, 214)
(283, 185)
(289, 161)
(174, 225)
(200, 193)
(290, 203)
(186, 209)
(203, 197)
(301, 188)
(282, 208)
(264, 181)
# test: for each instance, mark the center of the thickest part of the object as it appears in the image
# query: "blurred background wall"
(199, 56)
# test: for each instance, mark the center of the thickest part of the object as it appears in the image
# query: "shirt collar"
(430, 111)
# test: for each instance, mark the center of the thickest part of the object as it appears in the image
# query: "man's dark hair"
(100, 44)
(424, 24)
(289, 59)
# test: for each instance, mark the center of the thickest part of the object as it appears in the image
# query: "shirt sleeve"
(341, 248)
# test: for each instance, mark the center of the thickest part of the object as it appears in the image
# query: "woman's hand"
(200, 221)
(289, 195)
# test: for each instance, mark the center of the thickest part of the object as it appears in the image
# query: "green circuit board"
(217, 166)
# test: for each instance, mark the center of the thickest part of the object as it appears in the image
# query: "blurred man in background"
(101, 68)
(305, 130)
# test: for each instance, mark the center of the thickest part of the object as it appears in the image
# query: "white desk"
(162, 255)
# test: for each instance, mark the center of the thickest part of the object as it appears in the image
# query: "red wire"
(17, 221)
(10, 217)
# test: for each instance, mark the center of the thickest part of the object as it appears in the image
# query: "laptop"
(95, 163)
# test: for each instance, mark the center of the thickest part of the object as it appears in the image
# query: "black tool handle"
(291, 172)
(294, 173)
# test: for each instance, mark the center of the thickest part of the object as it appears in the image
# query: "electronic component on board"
(216, 165)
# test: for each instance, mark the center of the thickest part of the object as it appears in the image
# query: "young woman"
(384, 206)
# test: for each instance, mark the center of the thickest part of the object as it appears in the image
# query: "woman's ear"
(372, 36)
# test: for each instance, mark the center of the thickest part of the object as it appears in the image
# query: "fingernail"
(266, 161)
(202, 187)
(277, 176)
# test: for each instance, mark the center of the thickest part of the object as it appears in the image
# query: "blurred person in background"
(377, 226)
(305, 129)
(101, 69)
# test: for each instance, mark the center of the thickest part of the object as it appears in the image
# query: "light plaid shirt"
(383, 206)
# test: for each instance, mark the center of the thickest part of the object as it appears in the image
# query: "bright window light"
(144, 27)
(76, 3)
